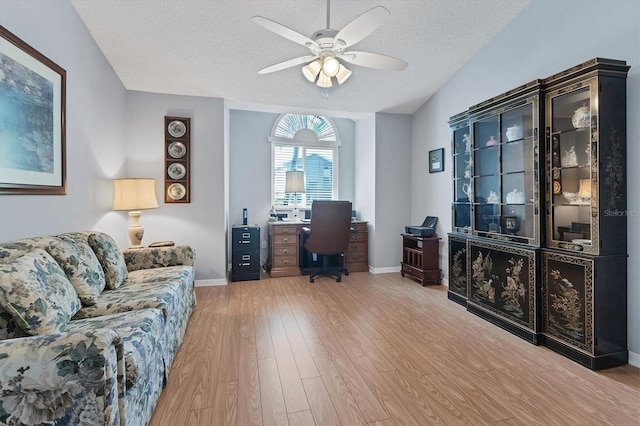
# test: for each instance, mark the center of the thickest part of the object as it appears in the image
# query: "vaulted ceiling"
(213, 48)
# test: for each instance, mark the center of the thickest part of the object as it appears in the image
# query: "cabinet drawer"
(357, 236)
(285, 261)
(246, 257)
(355, 257)
(285, 250)
(359, 227)
(279, 239)
(359, 247)
(291, 230)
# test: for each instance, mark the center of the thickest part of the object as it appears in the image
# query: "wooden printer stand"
(420, 258)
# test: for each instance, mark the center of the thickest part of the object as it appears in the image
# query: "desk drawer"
(285, 250)
(291, 230)
(285, 261)
(359, 227)
(357, 236)
(357, 247)
(280, 239)
(355, 257)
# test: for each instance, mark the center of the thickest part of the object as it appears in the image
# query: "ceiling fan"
(328, 46)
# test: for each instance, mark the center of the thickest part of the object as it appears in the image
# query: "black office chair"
(328, 235)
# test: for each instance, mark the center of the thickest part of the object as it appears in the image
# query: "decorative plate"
(176, 171)
(176, 191)
(557, 189)
(177, 129)
(177, 149)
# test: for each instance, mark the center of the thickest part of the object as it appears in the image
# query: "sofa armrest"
(60, 378)
(159, 257)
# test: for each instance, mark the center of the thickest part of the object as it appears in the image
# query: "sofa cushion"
(9, 328)
(110, 257)
(81, 265)
(37, 293)
(130, 297)
(142, 334)
(12, 250)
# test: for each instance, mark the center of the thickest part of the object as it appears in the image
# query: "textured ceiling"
(213, 48)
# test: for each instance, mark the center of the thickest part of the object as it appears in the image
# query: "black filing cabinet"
(246, 252)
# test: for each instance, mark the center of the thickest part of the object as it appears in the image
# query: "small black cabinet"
(245, 252)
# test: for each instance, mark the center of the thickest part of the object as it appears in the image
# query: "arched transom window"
(307, 143)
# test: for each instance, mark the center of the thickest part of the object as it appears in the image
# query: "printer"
(428, 228)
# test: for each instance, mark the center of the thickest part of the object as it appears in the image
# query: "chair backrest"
(330, 227)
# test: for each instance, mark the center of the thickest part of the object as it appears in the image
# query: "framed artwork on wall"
(436, 160)
(32, 122)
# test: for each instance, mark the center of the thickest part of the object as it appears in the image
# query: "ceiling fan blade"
(283, 31)
(287, 64)
(373, 60)
(362, 26)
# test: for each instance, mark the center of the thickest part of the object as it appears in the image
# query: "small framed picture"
(436, 160)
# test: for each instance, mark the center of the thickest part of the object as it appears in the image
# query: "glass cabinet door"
(462, 173)
(505, 180)
(572, 180)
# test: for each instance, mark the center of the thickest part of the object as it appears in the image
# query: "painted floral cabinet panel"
(503, 285)
(458, 269)
(584, 307)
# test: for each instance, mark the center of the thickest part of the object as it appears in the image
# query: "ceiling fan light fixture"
(330, 66)
(324, 80)
(311, 70)
(343, 74)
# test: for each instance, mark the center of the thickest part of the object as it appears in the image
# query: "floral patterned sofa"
(88, 332)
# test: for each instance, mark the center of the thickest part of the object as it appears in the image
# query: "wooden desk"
(284, 248)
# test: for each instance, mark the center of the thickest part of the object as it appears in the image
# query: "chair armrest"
(159, 257)
(60, 378)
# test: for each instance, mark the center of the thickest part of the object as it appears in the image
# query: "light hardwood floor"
(376, 350)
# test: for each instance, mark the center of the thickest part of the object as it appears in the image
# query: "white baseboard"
(206, 283)
(634, 359)
(384, 270)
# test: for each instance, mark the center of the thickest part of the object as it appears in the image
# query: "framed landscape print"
(436, 160)
(32, 120)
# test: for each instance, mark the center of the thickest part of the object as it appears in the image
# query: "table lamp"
(584, 193)
(134, 195)
(295, 185)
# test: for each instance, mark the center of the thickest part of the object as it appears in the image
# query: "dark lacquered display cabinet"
(539, 212)
(585, 307)
(457, 269)
(505, 189)
(503, 286)
(585, 259)
(462, 173)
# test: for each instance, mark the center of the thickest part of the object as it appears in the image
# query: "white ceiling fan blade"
(373, 60)
(283, 31)
(362, 26)
(287, 64)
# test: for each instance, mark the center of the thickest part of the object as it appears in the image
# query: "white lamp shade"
(294, 182)
(310, 71)
(585, 189)
(324, 80)
(343, 74)
(330, 66)
(134, 194)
